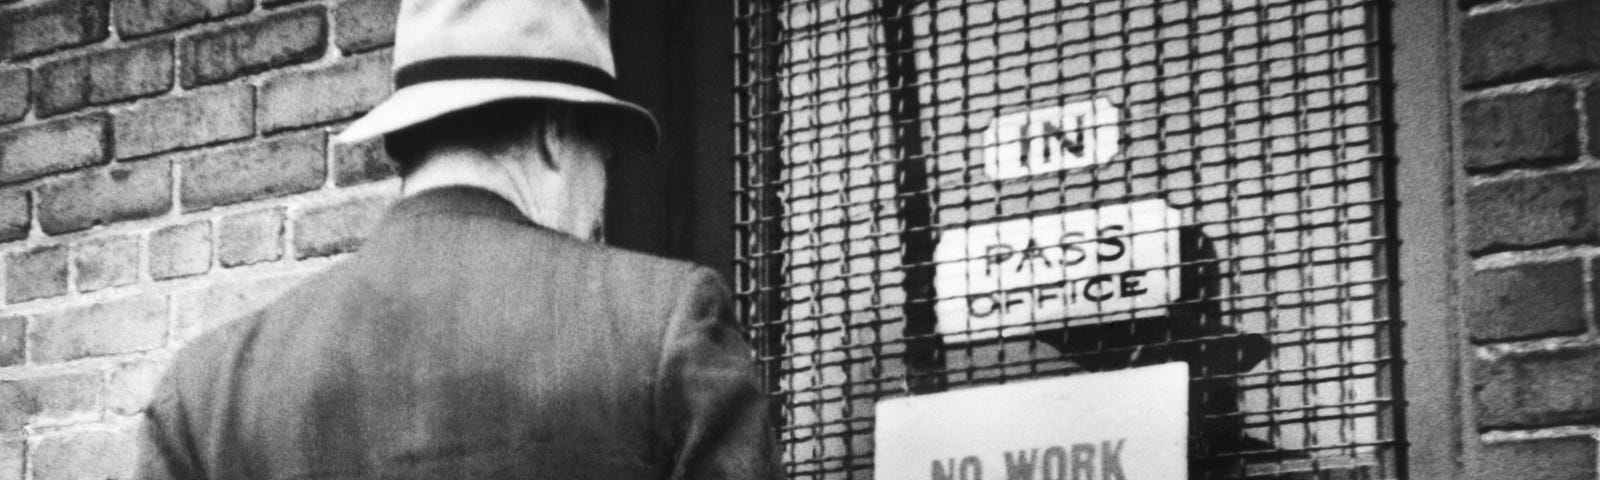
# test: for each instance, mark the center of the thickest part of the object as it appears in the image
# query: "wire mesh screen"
(944, 194)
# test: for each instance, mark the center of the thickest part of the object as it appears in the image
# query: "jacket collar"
(459, 200)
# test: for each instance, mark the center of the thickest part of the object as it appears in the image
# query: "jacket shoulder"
(659, 287)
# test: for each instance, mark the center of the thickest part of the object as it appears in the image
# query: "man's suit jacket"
(463, 341)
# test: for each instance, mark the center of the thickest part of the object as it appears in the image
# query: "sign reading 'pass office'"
(1084, 266)
(1123, 425)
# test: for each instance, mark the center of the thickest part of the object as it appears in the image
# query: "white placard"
(1123, 425)
(1118, 259)
(1032, 142)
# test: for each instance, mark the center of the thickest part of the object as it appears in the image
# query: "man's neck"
(530, 192)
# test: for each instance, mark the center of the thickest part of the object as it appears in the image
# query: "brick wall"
(1529, 216)
(164, 165)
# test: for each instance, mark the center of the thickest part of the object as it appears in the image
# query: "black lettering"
(1028, 141)
(994, 256)
(1014, 299)
(1111, 460)
(1075, 143)
(1054, 466)
(971, 469)
(944, 471)
(981, 299)
(1054, 133)
(1070, 247)
(1098, 294)
(1114, 241)
(1130, 283)
(1046, 293)
(1020, 467)
(1031, 253)
(1083, 461)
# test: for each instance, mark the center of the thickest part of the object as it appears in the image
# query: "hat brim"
(425, 101)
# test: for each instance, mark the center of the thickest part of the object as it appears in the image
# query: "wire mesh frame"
(860, 127)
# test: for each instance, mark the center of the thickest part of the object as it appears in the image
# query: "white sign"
(1122, 425)
(1077, 134)
(1118, 259)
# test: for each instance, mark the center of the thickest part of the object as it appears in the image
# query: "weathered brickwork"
(96, 197)
(335, 92)
(1526, 301)
(251, 237)
(208, 116)
(139, 17)
(1529, 222)
(165, 166)
(104, 76)
(42, 26)
(15, 84)
(104, 262)
(54, 146)
(365, 24)
(280, 166)
(1530, 128)
(256, 45)
(1530, 42)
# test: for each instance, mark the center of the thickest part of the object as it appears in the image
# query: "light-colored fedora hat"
(451, 55)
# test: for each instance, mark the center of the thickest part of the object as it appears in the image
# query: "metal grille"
(940, 194)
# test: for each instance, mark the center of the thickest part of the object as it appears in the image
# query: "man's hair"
(492, 129)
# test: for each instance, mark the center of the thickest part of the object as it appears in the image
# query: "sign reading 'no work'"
(1122, 425)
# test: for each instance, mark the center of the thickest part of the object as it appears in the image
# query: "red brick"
(16, 214)
(1529, 42)
(1531, 211)
(139, 17)
(361, 25)
(1571, 458)
(1538, 389)
(46, 25)
(261, 44)
(13, 455)
(339, 91)
(1526, 301)
(53, 400)
(276, 167)
(250, 238)
(36, 273)
(200, 118)
(361, 162)
(333, 229)
(129, 387)
(1528, 128)
(104, 76)
(15, 407)
(14, 83)
(106, 262)
(200, 311)
(84, 454)
(51, 147)
(12, 331)
(102, 196)
(1591, 105)
(106, 328)
(180, 250)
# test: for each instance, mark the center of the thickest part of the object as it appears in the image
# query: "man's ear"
(547, 135)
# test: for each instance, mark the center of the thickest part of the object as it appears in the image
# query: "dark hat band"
(511, 68)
